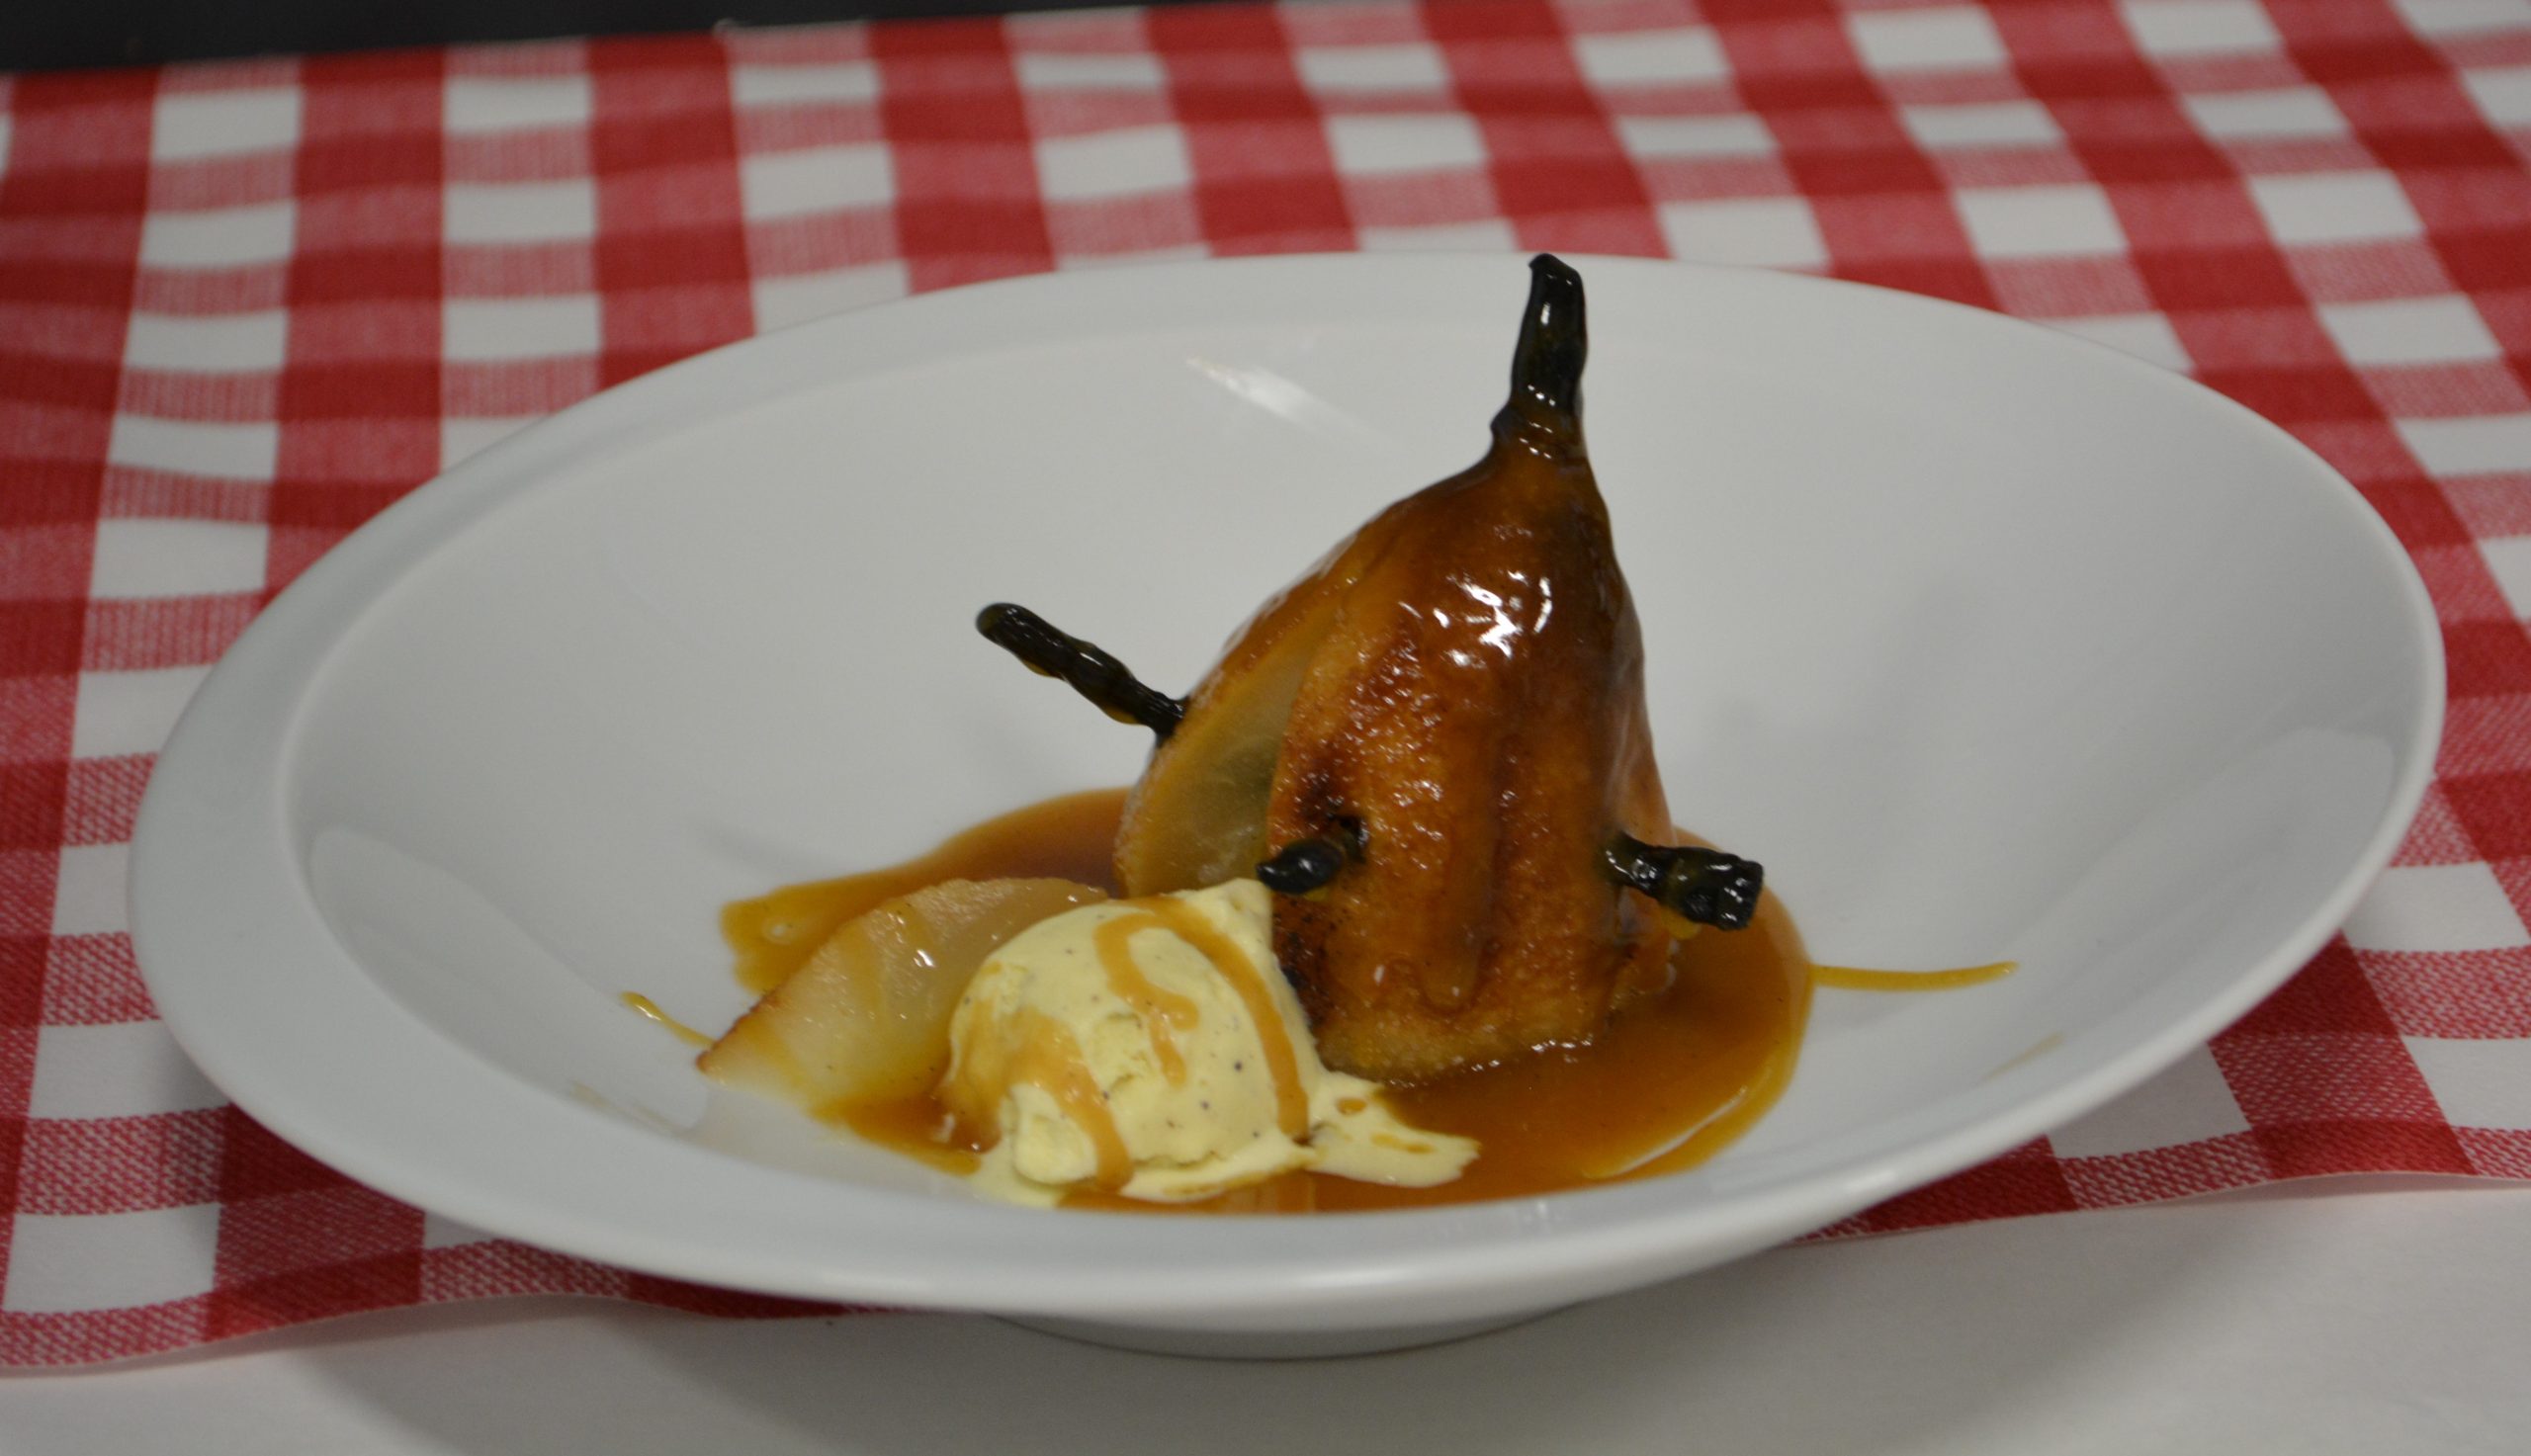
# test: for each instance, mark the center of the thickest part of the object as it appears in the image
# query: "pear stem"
(1547, 363)
(1108, 684)
(1705, 886)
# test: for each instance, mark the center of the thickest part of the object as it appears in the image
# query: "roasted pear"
(1434, 745)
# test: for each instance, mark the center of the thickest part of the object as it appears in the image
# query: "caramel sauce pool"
(1066, 838)
(1672, 1081)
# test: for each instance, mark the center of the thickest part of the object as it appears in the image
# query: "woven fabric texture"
(243, 307)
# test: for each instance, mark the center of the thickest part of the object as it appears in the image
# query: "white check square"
(2503, 94)
(88, 890)
(127, 1068)
(2444, 330)
(487, 329)
(781, 300)
(1696, 136)
(1987, 124)
(1061, 72)
(2435, 907)
(1652, 57)
(817, 179)
(2489, 444)
(143, 557)
(1770, 232)
(2187, 1103)
(783, 85)
(122, 714)
(1376, 145)
(2508, 559)
(2477, 1083)
(208, 343)
(2335, 206)
(2041, 221)
(227, 452)
(63, 1262)
(1945, 39)
(219, 237)
(187, 125)
(2284, 113)
(483, 104)
(1408, 65)
(2192, 28)
(1121, 163)
(2444, 19)
(522, 212)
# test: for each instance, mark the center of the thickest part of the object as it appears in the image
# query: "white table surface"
(2358, 1316)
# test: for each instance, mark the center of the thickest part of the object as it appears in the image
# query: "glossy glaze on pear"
(1433, 747)
(1454, 697)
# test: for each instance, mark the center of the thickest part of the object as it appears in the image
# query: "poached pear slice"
(868, 1014)
(1455, 696)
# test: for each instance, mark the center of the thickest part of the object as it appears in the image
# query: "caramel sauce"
(1043, 1053)
(1855, 978)
(650, 1008)
(917, 1126)
(1066, 838)
(1165, 1012)
(1671, 1081)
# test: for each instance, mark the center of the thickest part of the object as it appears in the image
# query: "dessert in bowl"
(1418, 793)
(2035, 653)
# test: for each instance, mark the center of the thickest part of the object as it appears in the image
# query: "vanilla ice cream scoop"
(1152, 1048)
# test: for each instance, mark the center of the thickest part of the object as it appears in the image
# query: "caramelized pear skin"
(1435, 746)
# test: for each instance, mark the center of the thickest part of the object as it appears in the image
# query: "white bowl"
(2036, 653)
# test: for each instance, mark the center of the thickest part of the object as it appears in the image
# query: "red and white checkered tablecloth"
(242, 306)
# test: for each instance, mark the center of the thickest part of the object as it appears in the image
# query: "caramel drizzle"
(1164, 1012)
(1291, 1103)
(1041, 1052)
(676, 1028)
(1855, 977)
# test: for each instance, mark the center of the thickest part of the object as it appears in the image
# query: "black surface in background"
(51, 35)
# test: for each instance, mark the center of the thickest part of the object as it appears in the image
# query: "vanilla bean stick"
(1108, 684)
